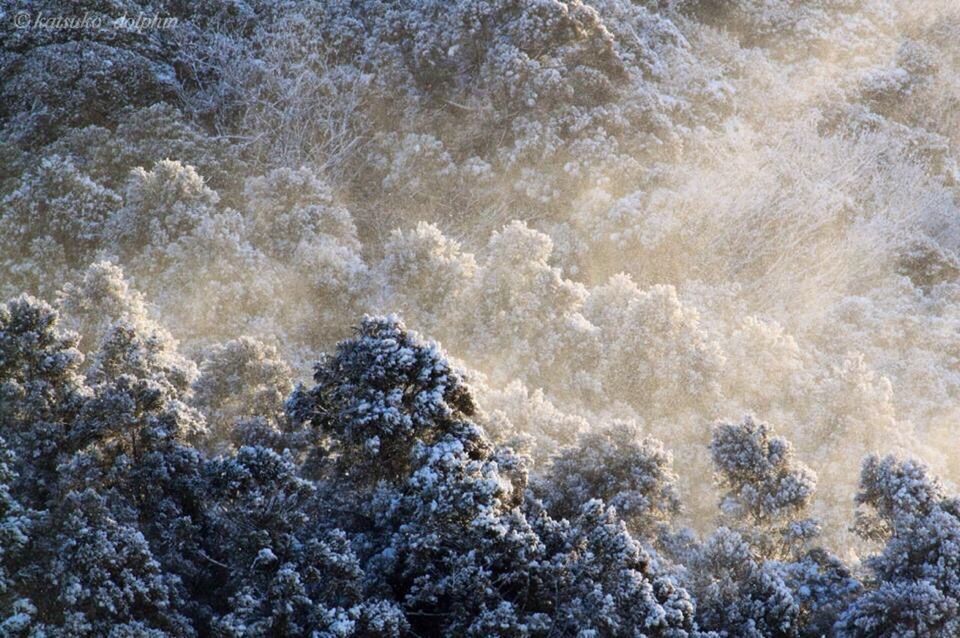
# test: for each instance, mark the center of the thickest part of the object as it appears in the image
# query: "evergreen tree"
(41, 393)
(914, 587)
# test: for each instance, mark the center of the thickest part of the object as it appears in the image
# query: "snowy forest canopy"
(694, 266)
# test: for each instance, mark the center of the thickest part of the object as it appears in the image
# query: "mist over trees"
(694, 266)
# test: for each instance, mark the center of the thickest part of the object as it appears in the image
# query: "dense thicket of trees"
(373, 504)
(629, 223)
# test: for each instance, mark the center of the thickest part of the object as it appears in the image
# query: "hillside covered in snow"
(480, 318)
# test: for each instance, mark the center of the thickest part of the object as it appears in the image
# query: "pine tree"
(41, 393)
(914, 587)
(616, 464)
(105, 578)
(16, 523)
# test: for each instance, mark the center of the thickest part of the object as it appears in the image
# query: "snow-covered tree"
(737, 592)
(107, 580)
(240, 380)
(161, 206)
(42, 392)
(52, 221)
(441, 514)
(765, 486)
(759, 576)
(286, 573)
(16, 522)
(616, 464)
(915, 580)
(425, 275)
